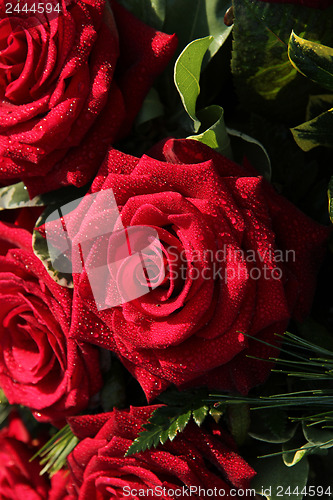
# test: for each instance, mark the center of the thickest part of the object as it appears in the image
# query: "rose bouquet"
(165, 249)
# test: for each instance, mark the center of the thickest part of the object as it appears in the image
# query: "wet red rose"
(20, 478)
(40, 367)
(194, 459)
(71, 83)
(239, 259)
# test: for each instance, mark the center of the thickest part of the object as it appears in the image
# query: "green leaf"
(319, 437)
(271, 426)
(265, 79)
(54, 453)
(187, 75)
(4, 407)
(167, 421)
(17, 196)
(151, 12)
(215, 414)
(183, 420)
(291, 457)
(330, 199)
(210, 119)
(316, 333)
(192, 19)
(272, 473)
(215, 135)
(151, 108)
(173, 429)
(41, 250)
(243, 145)
(313, 60)
(316, 132)
(199, 414)
(159, 429)
(239, 422)
(318, 441)
(316, 62)
(318, 104)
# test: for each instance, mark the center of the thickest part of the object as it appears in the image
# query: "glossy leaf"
(274, 477)
(318, 104)
(313, 60)
(187, 75)
(265, 79)
(330, 199)
(17, 196)
(215, 135)
(293, 457)
(317, 436)
(316, 132)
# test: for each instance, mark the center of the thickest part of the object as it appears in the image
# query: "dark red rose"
(40, 366)
(239, 259)
(315, 4)
(20, 478)
(71, 84)
(195, 458)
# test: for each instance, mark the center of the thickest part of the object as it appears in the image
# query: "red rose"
(40, 367)
(239, 258)
(196, 458)
(71, 84)
(20, 478)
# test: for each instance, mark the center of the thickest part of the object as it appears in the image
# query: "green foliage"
(215, 134)
(239, 422)
(167, 421)
(151, 108)
(272, 426)
(17, 196)
(316, 132)
(54, 453)
(41, 250)
(318, 104)
(186, 76)
(243, 145)
(275, 480)
(151, 12)
(190, 19)
(313, 60)
(317, 441)
(266, 80)
(4, 407)
(305, 362)
(330, 199)
(53, 202)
